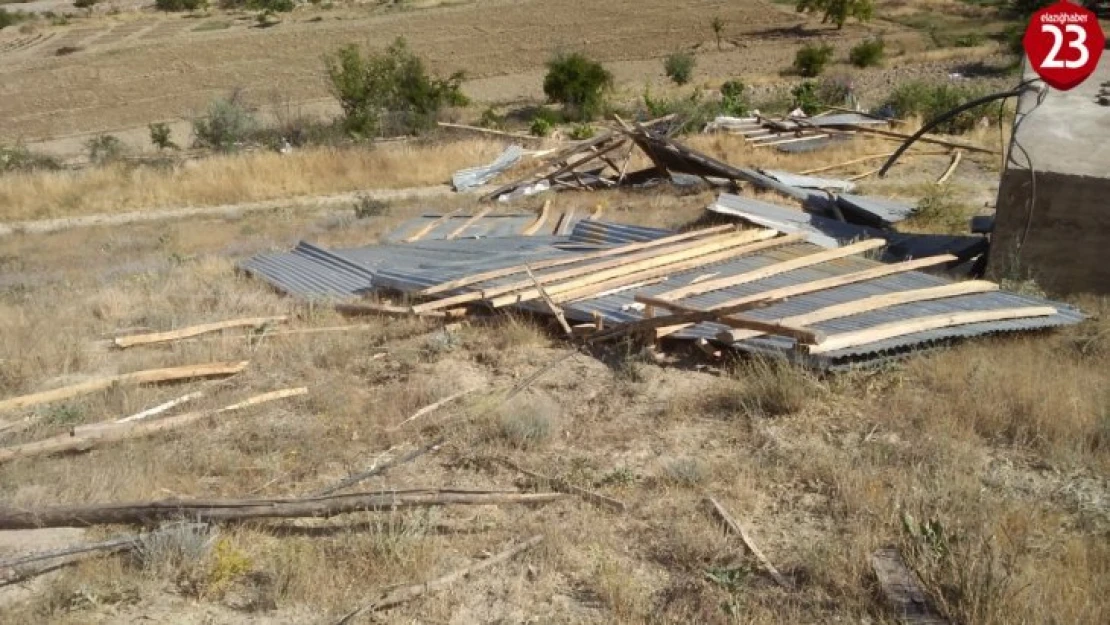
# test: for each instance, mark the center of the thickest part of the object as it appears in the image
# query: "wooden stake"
(535, 226)
(124, 342)
(748, 542)
(956, 156)
(430, 408)
(150, 376)
(408, 593)
(565, 222)
(85, 437)
(924, 324)
(551, 305)
(469, 222)
(220, 510)
(432, 225)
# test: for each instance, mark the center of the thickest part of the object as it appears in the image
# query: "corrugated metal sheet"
(873, 211)
(845, 119)
(809, 182)
(832, 233)
(309, 271)
(509, 225)
(466, 179)
(602, 232)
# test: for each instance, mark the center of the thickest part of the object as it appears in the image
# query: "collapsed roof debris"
(752, 290)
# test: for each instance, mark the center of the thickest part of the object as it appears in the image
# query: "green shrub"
(805, 97)
(11, 18)
(540, 127)
(104, 149)
(838, 11)
(84, 4)
(19, 159)
(734, 99)
(929, 101)
(679, 67)
(970, 40)
(490, 119)
(581, 132)
(160, 136)
(225, 125)
(691, 112)
(811, 60)
(392, 83)
(180, 5)
(277, 6)
(867, 53)
(578, 83)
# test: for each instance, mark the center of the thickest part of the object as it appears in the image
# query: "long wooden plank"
(124, 342)
(768, 297)
(689, 315)
(772, 270)
(926, 139)
(87, 436)
(663, 264)
(924, 324)
(868, 304)
(149, 376)
(421, 233)
(535, 226)
(592, 290)
(556, 262)
(469, 222)
(710, 244)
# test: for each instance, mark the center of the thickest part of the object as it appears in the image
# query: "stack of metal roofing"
(755, 290)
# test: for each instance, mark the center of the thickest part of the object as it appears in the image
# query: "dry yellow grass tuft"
(235, 179)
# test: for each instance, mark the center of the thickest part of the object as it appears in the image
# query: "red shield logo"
(1064, 42)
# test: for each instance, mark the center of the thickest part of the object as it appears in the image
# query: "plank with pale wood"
(593, 289)
(869, 304)
(924, 324)
(432, 225)
(688, 315)
(454, 234)
(149, 376)
(535, 226)
(567, 260)
(705, 245)
(124, 342)
(874, 273)
(772, 270)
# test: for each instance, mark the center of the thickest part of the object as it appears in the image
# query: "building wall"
(1067, 249)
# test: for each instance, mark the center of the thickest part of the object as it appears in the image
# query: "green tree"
(578, 83)
(838, 11)
(679, 67)
(395, 82)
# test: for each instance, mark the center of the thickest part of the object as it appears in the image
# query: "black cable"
(949, 115)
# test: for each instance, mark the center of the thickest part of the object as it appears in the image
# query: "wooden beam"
(469, 222)
(774, 295)
(124, 342)
(924, 324)
(223, 510)
(420, 234)
(868, 304)
(535, 226)
(149, 376)
(593, 290)
(620, 273)
(392, 310)
(925, 139)
(956, 156)
(765, 144)
(703, 246)
(689, 315)
(556, 262)
(551, 305)
(564, 223)
(489, 131)
(772, 270)
(85, 437)
(739, 530)
(903, 590)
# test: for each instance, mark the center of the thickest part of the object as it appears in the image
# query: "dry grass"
(996, 449)
(235, 179)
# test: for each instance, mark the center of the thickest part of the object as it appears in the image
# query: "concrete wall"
(1067, 249)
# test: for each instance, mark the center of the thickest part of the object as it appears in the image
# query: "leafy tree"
(734, 98)
(394, 82)
(578, 83)
(84, 4)
(679, 67)
(838, 11)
